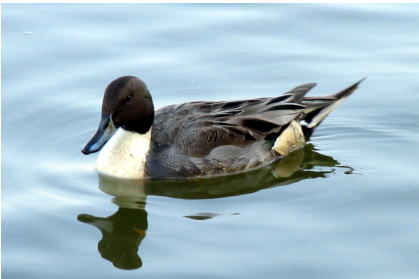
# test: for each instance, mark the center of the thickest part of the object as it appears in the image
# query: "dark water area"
(344, 206)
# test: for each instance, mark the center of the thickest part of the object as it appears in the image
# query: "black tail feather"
(323, 106)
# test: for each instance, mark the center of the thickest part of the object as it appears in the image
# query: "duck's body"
(201, 138)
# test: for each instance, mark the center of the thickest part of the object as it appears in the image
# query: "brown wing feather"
(196, 128)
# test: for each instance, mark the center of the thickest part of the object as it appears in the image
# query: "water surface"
(343, 207)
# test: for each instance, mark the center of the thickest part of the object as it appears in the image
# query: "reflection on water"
(205, 215)
(123, 231)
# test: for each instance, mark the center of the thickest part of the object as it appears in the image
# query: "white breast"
(124, 155)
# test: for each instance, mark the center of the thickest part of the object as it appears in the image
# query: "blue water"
(345, 206)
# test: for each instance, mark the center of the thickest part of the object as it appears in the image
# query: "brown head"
(127, 103)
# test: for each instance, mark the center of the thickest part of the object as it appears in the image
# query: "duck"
(201, 138)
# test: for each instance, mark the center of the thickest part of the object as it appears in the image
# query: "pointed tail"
(320, 107)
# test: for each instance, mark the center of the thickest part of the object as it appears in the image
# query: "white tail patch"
(124, 155)
(290, 139)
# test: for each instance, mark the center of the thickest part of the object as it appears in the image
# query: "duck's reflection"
(123, 231)
(122, 234)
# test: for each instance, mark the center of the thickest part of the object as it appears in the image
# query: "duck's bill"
(104, 133)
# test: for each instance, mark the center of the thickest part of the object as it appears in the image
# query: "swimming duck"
(199, 139)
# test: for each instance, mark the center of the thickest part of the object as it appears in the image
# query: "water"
(343, 207)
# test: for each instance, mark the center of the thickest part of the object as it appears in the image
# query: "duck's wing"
(196, 128)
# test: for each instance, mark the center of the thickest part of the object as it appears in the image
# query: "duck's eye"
(127, 99)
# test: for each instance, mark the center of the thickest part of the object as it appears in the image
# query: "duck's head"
(127, 103)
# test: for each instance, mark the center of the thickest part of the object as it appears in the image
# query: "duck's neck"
(124, 155)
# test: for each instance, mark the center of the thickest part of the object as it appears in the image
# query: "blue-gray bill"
(104, 132)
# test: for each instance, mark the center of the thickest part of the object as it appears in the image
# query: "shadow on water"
(123, 231)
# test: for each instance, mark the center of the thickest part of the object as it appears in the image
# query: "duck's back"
(211, 138)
